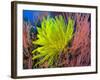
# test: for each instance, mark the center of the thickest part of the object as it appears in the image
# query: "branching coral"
(27, 46)
(82, 40)
(57, 41)
(53, 36)
(78, 53)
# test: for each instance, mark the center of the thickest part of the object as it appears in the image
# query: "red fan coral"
(79, 50)
(81, 42)
(27, 46)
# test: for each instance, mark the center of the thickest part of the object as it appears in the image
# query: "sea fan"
(27, 44)
(81, 41)
(53, 36)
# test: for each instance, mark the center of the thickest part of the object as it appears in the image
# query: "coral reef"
(28, 36)
(56, 39)
(80, 50)
(81, 44)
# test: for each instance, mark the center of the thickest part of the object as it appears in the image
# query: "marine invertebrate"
(82, 41)
(79, 51)
(27, 45)
(53, 36)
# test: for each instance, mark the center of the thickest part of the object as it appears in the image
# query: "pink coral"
(27, 46)
(81, 42)
(79, 52)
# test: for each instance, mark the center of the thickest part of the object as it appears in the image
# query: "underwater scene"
(56, 39)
